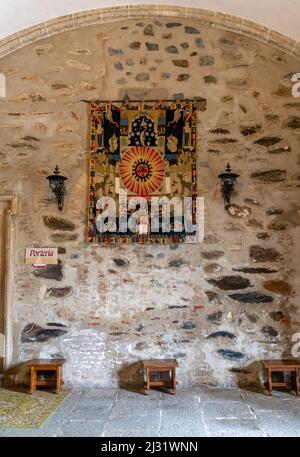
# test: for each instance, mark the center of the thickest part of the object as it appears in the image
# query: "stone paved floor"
(194, 412)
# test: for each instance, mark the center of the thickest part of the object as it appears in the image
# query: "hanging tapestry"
(142, 165)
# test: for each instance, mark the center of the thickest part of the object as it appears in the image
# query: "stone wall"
(218, 306)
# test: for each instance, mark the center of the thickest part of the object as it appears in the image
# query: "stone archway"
(112, 14)
(8, 208)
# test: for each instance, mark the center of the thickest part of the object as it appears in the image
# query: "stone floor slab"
(234, 428)
(183, 433)
(271, 404)
(136, 408)
(149, 422)
(279, 423)
(226, 410)
(94, 411)
(181, 422)
(218, 394)
(84, 428)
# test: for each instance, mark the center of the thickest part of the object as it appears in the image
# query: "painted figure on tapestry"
(143, 149)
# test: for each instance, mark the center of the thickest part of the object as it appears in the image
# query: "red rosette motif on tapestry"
(142, 170)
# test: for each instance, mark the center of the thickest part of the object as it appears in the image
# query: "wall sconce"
(228, 181)
(57, 185)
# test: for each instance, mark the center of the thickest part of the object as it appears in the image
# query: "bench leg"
(297, 386)
(174, 380)
(270, 381)
(33, 377)
(58, 380)
(147, 381)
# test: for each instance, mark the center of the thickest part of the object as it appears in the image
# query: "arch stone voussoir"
(216, 19)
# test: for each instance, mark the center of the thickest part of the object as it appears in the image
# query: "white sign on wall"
(41, 257)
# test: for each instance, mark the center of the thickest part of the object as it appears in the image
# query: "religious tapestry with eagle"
(147, 149)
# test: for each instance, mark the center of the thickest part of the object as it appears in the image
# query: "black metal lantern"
(57, 185)
(228, 181)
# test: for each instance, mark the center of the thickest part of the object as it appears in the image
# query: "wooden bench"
(50, 367)
(283, 366)
(161, 372)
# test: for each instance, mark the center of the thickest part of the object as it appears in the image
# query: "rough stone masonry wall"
(218, 306)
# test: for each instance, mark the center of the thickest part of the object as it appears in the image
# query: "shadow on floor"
(131, 377)
(17, 376)
(249, 378)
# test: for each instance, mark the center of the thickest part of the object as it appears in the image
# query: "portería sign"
(41, 256)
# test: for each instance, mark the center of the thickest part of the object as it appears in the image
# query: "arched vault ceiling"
(283, 17)
(272, 21)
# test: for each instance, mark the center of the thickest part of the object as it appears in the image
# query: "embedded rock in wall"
(251, 201)
(211, 255)
(188, 325)
(282, 91)
(277, 226)
(57, 223)
(250, 129)
(221, 334)
(181, 63)
(263, 236)
(270, 331)
(207, 60)
(260, 254)
(34, 333)
(268, 141)
(277, 315)
(279, 287)
(210, 79)
(234, 356)
(152, 46)
(269, 175)
(252, 297)
(54, 324)
(212, 268)
(254, 270)
(212, 296)
(215, 317)
(148, 30)
(201, 103)
(172, 49)
(58, 292)
(231, 282)
(50, 272)
(274, 211)
(292, 122)
(61, 237)
(120, 262)
(191, 30)
(176, 263)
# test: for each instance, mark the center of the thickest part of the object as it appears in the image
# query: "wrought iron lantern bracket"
(228, 180)
(57, 185)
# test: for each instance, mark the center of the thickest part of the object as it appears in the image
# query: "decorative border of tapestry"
(141, 150)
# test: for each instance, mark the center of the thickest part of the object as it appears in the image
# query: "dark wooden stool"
(54, 366)
(283, 365)
(155, 371)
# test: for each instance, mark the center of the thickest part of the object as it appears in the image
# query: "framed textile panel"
(142, 154)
